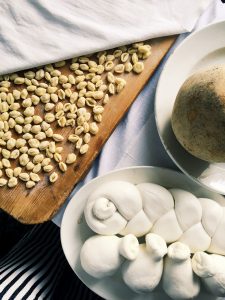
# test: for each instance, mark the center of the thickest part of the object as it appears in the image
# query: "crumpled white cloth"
(135, 141)
(36, 32)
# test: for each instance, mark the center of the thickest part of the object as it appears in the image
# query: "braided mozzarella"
(111, 206)
(157, 200)
(176, 217)
(179, 280)
(144, 273)
(119, 207)
(102, 256)
(211, 270)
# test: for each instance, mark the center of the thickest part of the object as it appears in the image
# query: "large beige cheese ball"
(198, 118)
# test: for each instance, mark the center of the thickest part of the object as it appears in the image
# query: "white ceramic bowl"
(74, 230)
(200, 50)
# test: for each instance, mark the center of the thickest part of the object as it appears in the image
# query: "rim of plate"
(178, 49)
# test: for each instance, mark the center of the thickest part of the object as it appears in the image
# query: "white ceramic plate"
(200, 50)
(74, 230)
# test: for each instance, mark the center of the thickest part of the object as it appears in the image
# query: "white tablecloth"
(35, 32)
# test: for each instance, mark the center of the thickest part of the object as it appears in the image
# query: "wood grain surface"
(44, 200)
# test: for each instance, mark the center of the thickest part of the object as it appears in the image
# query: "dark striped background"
(33, 266)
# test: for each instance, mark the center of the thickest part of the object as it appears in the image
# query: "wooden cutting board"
(44, 200)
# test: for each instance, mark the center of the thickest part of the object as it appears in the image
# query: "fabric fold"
(37, 32)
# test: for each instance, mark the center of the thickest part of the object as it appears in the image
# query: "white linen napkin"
(36, 32)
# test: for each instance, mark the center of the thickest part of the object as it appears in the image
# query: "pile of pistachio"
(76, 100)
